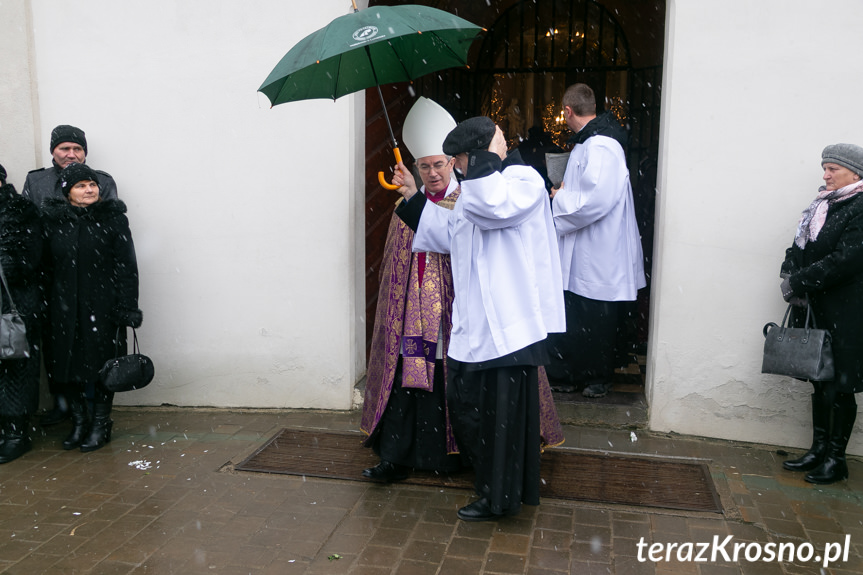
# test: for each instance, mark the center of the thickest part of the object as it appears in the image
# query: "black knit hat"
(846, 155)
(2, 175)
(64, 133)
(473, 134)
(74, 173)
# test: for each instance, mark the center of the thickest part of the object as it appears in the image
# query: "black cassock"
(494, 408)
(412, 430)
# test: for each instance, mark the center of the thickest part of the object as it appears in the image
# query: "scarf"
(813, 217)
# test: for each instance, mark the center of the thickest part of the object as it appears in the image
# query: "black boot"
(17, 438)
(820, 424)
(80, 422)
(59, 414)
(834, 467)
(100, 431)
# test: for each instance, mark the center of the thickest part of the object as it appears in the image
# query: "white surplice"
(600, 247)
(505, 263)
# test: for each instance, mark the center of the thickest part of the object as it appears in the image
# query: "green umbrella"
(367, 48)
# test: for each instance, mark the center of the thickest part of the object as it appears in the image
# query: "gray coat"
(45, 183)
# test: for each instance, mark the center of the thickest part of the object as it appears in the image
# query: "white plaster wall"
(248, 220)
(244, 217)
(18, 121)
(753, 91)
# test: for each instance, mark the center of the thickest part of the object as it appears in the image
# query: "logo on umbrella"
(365, 33)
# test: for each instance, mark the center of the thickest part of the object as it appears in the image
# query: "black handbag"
(800, 352)
(127, 372)
(13, 333)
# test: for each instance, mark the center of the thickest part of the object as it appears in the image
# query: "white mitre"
(426, 127)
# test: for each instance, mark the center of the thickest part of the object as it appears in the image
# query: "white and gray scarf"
(813, 217)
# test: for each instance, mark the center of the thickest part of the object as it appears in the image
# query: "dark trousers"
(495, 418)
(585, 353)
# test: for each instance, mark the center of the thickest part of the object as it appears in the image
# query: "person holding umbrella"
(506, 276)
(404, 408)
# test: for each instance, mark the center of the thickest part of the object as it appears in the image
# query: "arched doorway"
(518, 72)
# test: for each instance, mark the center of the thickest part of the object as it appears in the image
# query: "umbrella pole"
(396, 151)
(389, 126)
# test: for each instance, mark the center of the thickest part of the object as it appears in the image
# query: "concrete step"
(617, 410)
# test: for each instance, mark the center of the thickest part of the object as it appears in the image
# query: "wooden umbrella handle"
(384, 184)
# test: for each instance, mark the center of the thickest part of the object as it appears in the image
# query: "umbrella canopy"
(367, 48)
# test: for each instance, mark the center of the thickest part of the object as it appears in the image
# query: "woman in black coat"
(92, 293)
(20, 254)
(825, 263)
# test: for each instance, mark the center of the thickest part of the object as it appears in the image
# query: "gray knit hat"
(846, 155)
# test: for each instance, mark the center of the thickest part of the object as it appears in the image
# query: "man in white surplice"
(600, 247)
(506, 276)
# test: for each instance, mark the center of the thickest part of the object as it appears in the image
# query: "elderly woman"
(20, 254)
(92, 293)
(825, 263)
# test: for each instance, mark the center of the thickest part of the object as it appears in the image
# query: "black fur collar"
(14, 205)
(60, 209)
(7, 191)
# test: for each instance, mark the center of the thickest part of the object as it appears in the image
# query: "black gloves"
(788, 293)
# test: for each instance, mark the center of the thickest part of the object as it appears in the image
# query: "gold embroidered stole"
(425, 307)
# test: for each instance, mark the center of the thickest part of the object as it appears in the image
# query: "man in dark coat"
(92, 293)
(20, 256)
(68, 144)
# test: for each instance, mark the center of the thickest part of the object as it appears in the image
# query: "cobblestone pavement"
(163, 498)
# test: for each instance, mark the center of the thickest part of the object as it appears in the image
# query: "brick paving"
(163, 498)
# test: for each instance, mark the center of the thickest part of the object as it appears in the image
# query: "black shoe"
(831, 471)
(813, 458)
(14, 448)
(100, 429)
(835, 467)
(387, 472)
(17, 439)
(810, 460)
(100, 435)
(479, 510)
(80, 423)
